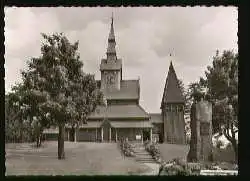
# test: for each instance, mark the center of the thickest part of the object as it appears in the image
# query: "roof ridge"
(143, 109)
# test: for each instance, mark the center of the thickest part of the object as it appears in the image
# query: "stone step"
(140, 150)
(142, 153)
(146, 161)
(143, 158)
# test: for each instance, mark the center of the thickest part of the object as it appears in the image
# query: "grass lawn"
(81, 159)
(171, 151)
(224, 155)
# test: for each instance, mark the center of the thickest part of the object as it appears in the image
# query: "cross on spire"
(112, 18)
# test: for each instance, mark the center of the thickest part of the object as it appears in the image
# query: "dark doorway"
(161, 138)
(146, 135)
(106, 129)
(72, 134)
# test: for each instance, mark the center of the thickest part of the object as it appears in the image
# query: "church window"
(174, 108)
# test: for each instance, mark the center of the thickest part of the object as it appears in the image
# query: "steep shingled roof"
(119, 111)
(172, 92)
(130, 89)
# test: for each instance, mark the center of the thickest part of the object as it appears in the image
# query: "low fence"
(218, 172)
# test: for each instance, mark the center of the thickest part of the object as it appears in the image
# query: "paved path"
(142, 156)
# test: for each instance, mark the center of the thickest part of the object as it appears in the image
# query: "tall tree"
(184, 93)
(221, 82)
(23, 115)
(66, 95)
(13, 119)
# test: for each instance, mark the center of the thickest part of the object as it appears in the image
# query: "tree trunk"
(61, 154)
(40, 140)
(235, 147)
(72, 134)
(37, 141)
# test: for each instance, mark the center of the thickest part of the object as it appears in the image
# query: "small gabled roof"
(119, 111)
(129, 90)
(172, 92)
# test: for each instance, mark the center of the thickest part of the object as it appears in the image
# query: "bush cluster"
(127, 149)
(153, 150)
(179, 166)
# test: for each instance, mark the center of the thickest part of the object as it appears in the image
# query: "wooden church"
(123, 117)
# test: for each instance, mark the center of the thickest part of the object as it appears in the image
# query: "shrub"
(175, 169)
(153, 150)
(179, 166)
(127, 149)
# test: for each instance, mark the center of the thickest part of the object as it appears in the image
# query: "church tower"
(172, 110)
(111, 67)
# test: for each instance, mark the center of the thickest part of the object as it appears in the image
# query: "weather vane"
(112, 17)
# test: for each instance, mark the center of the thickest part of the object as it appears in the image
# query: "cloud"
(22, 39)
(145, 38)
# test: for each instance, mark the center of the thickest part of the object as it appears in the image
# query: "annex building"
(123, 116)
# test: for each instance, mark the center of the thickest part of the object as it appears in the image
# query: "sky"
(145, 37)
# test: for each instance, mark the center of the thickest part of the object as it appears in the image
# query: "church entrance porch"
(147, 134)
(106, 131)
(134, 134)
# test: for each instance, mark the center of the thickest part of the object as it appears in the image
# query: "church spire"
(111, 52)
(172, 92)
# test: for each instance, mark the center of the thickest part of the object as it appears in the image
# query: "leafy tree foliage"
(186, 94)
(57, 91)
(182, 87)
(17, 129)
(221, 82)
